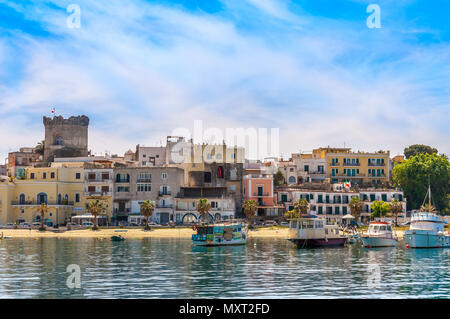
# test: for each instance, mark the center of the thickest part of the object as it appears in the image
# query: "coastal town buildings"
(18, 161)
(331, 202)
(134, 185)
(61, 188)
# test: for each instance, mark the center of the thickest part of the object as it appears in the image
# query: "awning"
(348, 216)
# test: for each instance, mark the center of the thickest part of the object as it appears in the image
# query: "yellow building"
(361, 168)
(61, 188)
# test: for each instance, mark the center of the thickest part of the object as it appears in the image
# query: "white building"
(333, 205)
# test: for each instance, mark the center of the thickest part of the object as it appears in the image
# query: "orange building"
(260, 188)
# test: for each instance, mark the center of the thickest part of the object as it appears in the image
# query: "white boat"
(379, 234)
(426, 230)
(220, 234)
(310, 232)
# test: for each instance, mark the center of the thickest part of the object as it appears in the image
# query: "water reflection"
(173, 268)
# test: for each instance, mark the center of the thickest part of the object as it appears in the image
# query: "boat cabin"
(312, 228)
(426, 221)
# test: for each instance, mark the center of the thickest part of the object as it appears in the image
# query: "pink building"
(260, 188)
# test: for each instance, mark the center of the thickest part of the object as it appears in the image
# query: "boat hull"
(379, 242)
(426, 239)
(222, 243)
(321, 242)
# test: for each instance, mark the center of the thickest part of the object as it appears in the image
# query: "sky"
(141, 70)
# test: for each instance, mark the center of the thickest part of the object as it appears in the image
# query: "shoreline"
(131, 233)
(139, 233)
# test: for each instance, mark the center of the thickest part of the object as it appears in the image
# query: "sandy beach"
(269, 232)
(137, 233)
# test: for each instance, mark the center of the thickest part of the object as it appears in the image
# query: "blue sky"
(140, 69)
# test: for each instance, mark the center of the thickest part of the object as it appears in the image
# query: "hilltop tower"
(65, 137)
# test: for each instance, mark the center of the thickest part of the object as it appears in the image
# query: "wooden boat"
(117, 238)
(224, 233)
(311, 232)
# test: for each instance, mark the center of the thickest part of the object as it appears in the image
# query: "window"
(91, 189)
(44, 175)
(32, 176)
(220, 172)
(144, 177)
(77, 198)
(123, 189)
(144, 187)
(78, 175)
(52, 175)
(164, 175)
(207, 177)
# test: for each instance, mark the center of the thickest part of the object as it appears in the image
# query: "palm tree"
(291, 214)
(43, 209)
(428, 208)
(301, 206)
(396, 208)
(250, 207)
(147, 209)
(356, 207)
(40, 148)
(95, 208)
(203, 208)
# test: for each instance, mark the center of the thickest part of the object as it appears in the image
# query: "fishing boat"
(232, 232)
(426, 229)
(379, 234)
(310, 232)
(117, 238)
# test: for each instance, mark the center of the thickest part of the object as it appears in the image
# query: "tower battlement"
(65, 137)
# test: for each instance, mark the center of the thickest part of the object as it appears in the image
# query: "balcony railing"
(144, 180)
(35, 203)
(258, 195)
(96, 180)
(162, 193)
(102, 193)
(164, 206)
(376, 164)
(352, 164)
(122, 180)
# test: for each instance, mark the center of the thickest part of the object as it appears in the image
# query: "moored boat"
(379, 234)
(426, 229)
(232, 232)
(311, 232)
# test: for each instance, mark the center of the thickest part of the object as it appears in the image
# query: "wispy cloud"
(140, 69)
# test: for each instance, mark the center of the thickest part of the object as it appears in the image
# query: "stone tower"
(65, 137)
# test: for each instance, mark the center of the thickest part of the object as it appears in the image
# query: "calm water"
(173, 268)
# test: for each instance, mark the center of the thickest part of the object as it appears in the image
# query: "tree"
(292, 214)
(147, 209)
(203, 208)
(416, 149)
(301, 206)
(43, 209)
(278, 178)
(39, 149)
(379, 208)
(250, 207)
(356, 208)
(396, 208)
(95, 208)
(414, 174)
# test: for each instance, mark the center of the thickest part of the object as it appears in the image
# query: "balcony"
(260, 195)
(352, 164)
(124, 180)
(144, 180)
(165, 193)
(35, 203)
(376, 164)
(164, 206)
(102, 193)
(98, 180)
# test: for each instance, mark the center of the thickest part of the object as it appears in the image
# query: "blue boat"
(224, 233)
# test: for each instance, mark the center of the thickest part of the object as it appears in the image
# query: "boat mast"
(429, 192)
